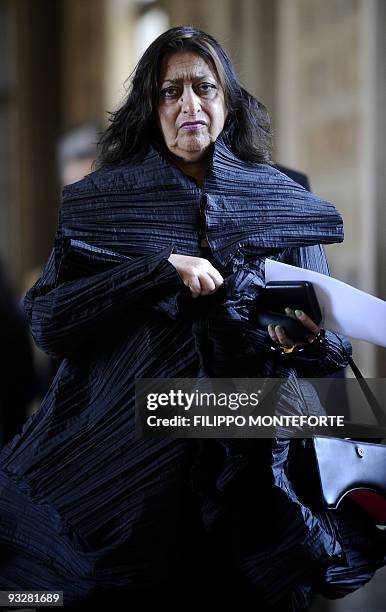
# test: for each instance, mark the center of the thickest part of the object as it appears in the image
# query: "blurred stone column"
(379, 20)
(82, 61)
(329, 104)
(36, 127)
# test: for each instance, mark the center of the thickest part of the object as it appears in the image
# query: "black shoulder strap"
(367, 392)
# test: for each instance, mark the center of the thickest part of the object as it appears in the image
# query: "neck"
(195, 169)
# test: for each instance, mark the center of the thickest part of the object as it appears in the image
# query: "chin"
(195, 144)
(194, 152)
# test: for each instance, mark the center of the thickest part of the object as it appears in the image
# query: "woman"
(158, 258)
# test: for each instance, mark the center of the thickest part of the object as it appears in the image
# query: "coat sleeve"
(80, 294)
(337, 346)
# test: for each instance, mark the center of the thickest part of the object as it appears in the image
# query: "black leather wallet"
(278, 295)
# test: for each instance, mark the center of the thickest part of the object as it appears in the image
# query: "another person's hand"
(197, 273)
(278, 335)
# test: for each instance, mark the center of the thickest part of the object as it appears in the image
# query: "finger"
(207, 284)
(208, 270)
(194, 286)
(216, 277)
(272, 334)
(307, 322)
(290, 313)
(282, 337)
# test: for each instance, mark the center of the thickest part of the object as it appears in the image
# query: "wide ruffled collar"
(248, 206)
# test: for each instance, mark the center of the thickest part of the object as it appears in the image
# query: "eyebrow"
(196, 78)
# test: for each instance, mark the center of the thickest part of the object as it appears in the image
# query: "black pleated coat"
(84, 506)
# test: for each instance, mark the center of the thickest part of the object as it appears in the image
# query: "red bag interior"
(371, 501)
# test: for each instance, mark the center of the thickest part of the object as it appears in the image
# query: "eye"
(207, 88)
(169, 92)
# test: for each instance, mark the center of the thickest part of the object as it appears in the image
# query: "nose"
(190, 101)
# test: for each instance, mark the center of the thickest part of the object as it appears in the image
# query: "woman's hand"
(197, 273)
(278, 335)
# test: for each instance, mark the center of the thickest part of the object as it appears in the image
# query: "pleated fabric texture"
(85, 507)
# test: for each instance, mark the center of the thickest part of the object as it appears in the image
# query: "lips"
(192, 124)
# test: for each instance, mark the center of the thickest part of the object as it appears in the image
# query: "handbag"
(345, 468)
(354, 468)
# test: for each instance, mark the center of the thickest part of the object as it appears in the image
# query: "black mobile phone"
(277, 296)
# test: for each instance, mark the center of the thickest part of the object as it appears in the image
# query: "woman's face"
(191, 109)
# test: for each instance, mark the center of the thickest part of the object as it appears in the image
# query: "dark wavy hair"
(134, 126)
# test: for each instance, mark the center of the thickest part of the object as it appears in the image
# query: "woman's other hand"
(278, 335)
(197, 273)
